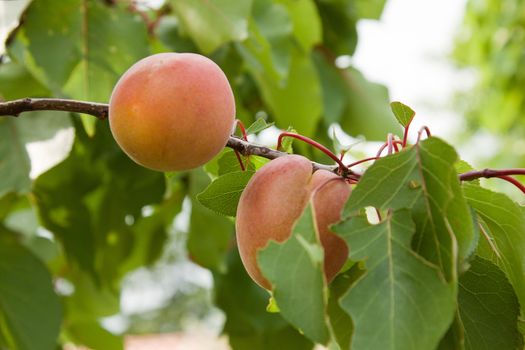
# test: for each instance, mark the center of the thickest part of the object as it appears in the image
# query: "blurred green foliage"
(490, 43)
(95, 215)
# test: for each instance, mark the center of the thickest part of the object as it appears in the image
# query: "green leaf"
(248, 324)
(93, 42)
(209, 233)
(423, 178)
(270, 39)
(15, 164)
(150, 233)
(369, 9)
(488, 308)
(339, 26)
(30, 311)
(90, 333)
(287, 141)
(403, 113)
(368, 110)
(259, 125)
(502, 240)
(334, 89)
(229, 163)
(341, 323)
(284, 74)
(400, 302)
(170, 34)
(304, 306)
(16, 133)
(306, 22)
(296, 102)
(7, 203)
(222, 195)
(94, 193)
(90, 301)
(212, 23)
(16, 82)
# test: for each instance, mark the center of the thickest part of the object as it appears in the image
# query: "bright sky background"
(407, 50)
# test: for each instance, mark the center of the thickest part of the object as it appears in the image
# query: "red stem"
(316, 144)
(239, 159)
(395, 143)
(378, 154)
(243, 129)
(390, 143)
(405, 134)
(513, 181)
(423, 128)
(503, 174)
(487, 173)
(361, 161)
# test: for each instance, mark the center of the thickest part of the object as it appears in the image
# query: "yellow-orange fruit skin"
(274, 199)
(172, 111)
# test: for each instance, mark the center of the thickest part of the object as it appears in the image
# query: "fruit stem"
(391, 143)
(239, 124)
(405, 134)
(361, 161)
(423, 128)
(513, 181)
(238, 155)
(342, 168)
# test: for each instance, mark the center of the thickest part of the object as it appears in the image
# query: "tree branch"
(488, 173)
(250, 149)
(14, 108)
(100, 111)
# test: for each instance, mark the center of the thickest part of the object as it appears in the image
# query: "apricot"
(274, 199)
(172, 111)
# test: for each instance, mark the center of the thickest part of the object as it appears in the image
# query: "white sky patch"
(9, 12)
(46, 154)
(408, 50)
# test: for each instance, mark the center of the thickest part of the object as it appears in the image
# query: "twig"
(251, 149)
(100, 111)
(488, 173)
(513, 181)
(503, 174)
(14, 108)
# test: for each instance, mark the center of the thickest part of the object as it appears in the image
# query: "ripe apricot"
(172, 111)
(274, 199)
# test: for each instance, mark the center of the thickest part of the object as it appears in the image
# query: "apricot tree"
(403, 249)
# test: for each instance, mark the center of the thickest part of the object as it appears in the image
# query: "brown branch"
(14, 108)
(250, 149)
(100, 111)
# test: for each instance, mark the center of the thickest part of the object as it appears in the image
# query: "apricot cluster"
(274, 199)
(176, 111)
